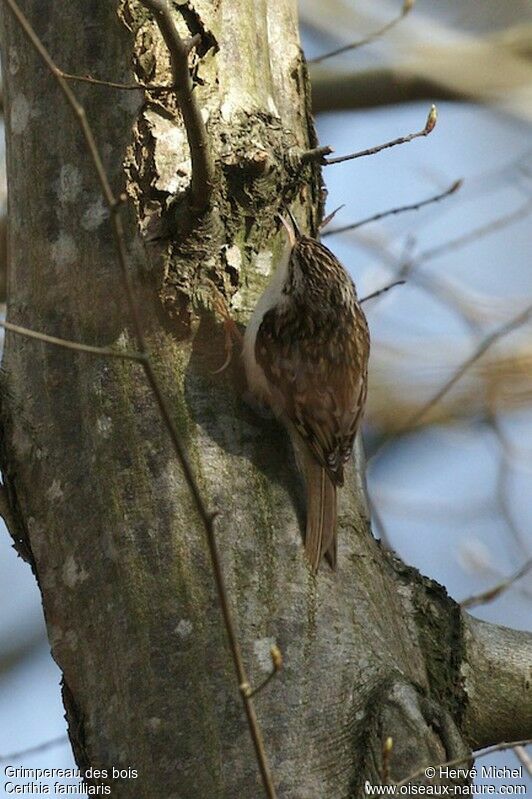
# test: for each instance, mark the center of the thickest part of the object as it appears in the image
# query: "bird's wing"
(320, 386)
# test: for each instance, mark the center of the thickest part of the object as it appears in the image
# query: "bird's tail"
(321, 513)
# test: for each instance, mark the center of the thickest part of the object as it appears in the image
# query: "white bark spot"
(272, 107)
(64, 251)
(233, 256)
(184, 628)
(263, 263)
(104, 425)
(71, 639)
(237, 300)
(94, 215)
(14, 61)
(123, 340)
(172, 157)
(20, 114)
(72, 573)
(55, 492)
(261, 648)
(155, 723)
(68, 185)
(235, 100)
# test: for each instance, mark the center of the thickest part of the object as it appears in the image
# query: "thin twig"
(392, 211)
(407, 7)
(429, 127)
(495, 591)
(106, 352)
(457, 761)
(382, 291)
(200, 152)
(316, 154)
(277, 665)
(518, 321)
(34, 750)
(110, 84)
(114, 204)
(414, 419)
(329, 218)
(523, 757)
(468, 238)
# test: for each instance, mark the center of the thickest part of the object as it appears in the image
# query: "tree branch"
(393, 211)
(408, 5)
(496, 590)
(486, 70)
(106, 352)
(498, 681)
(383, 290)
(319, 153)
(200, 154)
(487, 342)
(13, 757)
(111, 84)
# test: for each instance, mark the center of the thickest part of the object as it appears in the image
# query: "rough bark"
(99, 505)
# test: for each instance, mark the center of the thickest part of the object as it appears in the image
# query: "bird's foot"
(231, 332)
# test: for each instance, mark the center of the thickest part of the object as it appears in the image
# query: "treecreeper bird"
(306, 352)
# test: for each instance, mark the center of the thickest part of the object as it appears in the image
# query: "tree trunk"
(100, 507)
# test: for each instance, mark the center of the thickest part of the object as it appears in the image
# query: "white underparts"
(272, 296)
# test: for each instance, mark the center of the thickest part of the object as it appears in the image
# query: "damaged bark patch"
(257, 174)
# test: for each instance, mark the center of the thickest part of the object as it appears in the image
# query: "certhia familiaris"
(306, 352)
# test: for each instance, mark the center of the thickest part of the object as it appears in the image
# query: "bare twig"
(329, 218)
(429, 127)
(110, 84)
(457, 761)
(383, 290)
(13, 757)
(106, 352)
(473, 235)
(414, 419)
(114, 205)
(407, 7)
(200, 152)
(392, 211)
(524, 758)
(498, 589)
(482, 69)
(518, 321)
(277, 665)
(316, 154)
